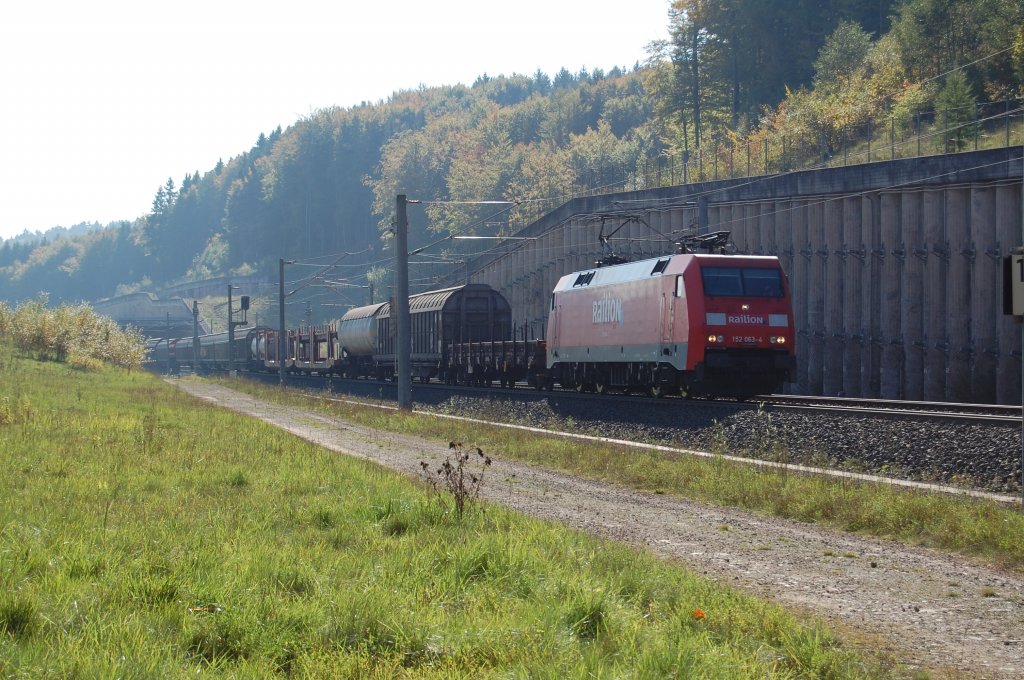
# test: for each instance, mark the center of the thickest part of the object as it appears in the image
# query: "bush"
(461, 483)
(74, 334)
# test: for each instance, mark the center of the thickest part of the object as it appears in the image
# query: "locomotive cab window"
(762, 282)
(742, 282)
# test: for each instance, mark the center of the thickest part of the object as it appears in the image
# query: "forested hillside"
(733, 73)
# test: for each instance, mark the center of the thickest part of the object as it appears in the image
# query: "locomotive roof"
(655, 266)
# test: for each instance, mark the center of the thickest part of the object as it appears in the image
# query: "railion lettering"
(608, 310)
(745, 319)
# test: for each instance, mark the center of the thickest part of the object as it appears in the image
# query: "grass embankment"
(143, 535)
(976, 528)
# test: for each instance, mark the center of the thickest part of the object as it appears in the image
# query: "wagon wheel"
(601, 385)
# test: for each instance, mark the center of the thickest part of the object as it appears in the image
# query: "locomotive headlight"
(745, 307)
(716, 339)
(777, 340)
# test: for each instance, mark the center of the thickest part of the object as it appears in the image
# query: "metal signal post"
(232, 324)
(403, 338)
(281, 342)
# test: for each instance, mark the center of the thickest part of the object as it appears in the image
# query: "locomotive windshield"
(742, 282)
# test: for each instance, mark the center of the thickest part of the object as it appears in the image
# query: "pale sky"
(102, 101)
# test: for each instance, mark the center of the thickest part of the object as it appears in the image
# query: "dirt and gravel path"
(930, 610)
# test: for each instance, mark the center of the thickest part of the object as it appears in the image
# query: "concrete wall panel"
(835, 277)
(755, 228)
(851, 254)
(799, 284)
(871, 302)
(914, 252)
(1008, 331)
(936, 269)
(818, 266)
(984, 307)
(891, 378)
(958, 295)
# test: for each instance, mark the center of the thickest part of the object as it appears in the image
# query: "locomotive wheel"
(656, 390)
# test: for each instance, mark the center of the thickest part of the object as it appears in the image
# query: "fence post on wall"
(945, 131)
(686, 158)
(975, 126)
(1007, 114)
(918, 133)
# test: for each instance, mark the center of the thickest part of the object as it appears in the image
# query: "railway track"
(947, 412)
(919, 410)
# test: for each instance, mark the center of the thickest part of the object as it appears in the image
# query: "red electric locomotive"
(715, 325)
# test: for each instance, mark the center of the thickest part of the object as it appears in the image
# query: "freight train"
(203, 353)
(693, 324)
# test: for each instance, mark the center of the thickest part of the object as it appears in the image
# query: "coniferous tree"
(955, 103)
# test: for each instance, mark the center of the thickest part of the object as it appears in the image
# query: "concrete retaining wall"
(895, 267)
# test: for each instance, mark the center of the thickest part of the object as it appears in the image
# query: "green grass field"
(976, 528)
(143, 534)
